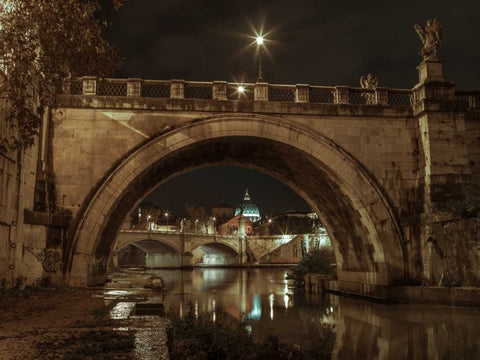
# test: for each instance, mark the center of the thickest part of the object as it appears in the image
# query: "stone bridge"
(392, 173)
(185, 243)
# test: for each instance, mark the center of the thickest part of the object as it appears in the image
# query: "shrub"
(206, 337)
(223, 337)
(318, 261)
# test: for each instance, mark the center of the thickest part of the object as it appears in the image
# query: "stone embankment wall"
(29, 247)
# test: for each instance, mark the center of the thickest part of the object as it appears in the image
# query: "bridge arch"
(363, 226)
(224, 244)
(127, 238)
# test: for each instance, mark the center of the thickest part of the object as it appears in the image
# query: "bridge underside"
(363, 231)
(215, 254)
(159, 254)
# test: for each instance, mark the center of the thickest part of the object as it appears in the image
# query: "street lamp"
(166, 215)
(240, 90)
(259, 40)
(148, 222)
(196, 221)
(214, 230)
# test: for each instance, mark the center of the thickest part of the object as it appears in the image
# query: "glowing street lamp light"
(148, 221)
(196, 221)
(240, 90)
(166, 216)
(259, 40)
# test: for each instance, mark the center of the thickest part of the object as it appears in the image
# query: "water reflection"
(364, 330)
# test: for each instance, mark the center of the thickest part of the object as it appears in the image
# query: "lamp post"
(148, 222)
(166, 216)
(196, 221)
(214, 230)
(259, 40)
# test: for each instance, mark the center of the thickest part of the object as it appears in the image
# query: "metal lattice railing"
(198, 90)
(281, 93)
(361, 96)
(320, 94)
(276, 93)
(470, 99)
(233, 92)
(76, 87)
(399, 97)
(155, 89)
(112, 88)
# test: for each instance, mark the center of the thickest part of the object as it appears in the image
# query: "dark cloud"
(317, 42)
(311, 41)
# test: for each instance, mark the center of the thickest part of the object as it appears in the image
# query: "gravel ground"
(82, 324)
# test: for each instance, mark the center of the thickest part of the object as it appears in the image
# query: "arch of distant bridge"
(174, 240)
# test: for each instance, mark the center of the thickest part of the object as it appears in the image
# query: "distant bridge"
(257, 246)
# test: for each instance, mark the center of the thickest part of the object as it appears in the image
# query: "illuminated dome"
(250, 210)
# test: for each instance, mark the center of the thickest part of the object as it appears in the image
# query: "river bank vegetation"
(220, 336)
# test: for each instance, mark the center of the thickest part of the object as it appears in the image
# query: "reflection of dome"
(250, 210)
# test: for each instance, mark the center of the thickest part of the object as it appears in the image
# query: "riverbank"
(77, 324)
(452, 296)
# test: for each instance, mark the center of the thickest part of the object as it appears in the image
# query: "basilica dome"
(249, 209)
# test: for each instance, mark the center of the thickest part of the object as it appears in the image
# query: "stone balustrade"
(228, 91)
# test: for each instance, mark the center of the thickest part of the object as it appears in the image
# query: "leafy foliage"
(318, 261)
(197, 218)
(43, 43)
(224, 337)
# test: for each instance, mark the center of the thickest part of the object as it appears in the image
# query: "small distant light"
(166, 214)
(241, 89)
(259, 40)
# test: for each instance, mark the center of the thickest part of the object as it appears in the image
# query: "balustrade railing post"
(66, 86)
(302, 93)
(472, 101)
(177, 89)
(219, 90)
(260, 92)
(134, 87)
(381, 96)
(89, 85)
(341, 95)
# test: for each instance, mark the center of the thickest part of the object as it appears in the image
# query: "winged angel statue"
(431, 36)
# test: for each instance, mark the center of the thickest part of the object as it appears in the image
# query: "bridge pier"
(449, 213)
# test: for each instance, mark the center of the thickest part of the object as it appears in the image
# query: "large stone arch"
(362, 224)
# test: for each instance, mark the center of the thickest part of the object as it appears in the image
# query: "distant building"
(234, 226)
(248, 209)
(222, 212)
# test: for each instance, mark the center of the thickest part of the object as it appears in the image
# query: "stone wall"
(21, 245)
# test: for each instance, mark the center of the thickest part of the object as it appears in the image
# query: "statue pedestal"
(431, 86)
(430, 70)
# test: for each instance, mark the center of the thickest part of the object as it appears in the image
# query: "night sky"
(313, 42)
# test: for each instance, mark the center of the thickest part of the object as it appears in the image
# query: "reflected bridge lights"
(271, 300)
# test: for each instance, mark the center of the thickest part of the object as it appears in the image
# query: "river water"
(363, 329)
